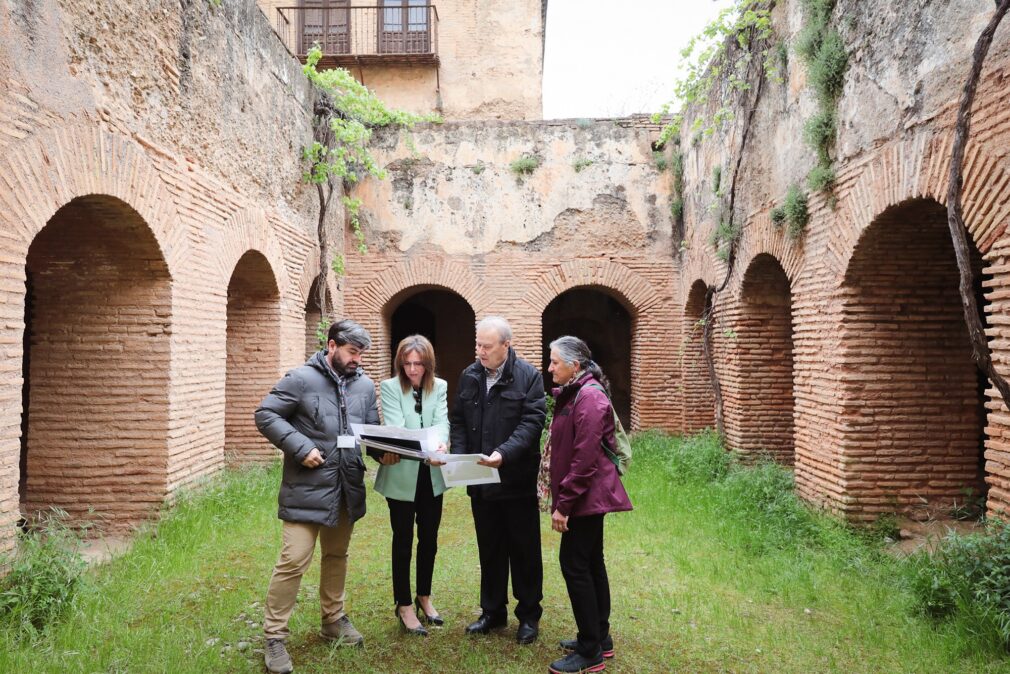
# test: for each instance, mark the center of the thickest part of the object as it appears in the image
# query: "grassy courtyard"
(710, 573)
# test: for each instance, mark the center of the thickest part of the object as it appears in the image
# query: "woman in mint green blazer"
(415, 398)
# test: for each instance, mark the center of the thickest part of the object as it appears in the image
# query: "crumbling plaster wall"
(452, 214)
(451, 186)
(907, 64)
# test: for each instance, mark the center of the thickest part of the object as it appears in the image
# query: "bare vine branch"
(712, 292)
(955, 214)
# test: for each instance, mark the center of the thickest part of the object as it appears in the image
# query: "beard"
(343, 368)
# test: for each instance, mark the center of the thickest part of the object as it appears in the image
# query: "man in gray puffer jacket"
(308, 415)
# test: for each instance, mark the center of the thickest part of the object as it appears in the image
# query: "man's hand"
(441, 449)
(493, 461)
(388, 459)
(313, 460)
(559, 522)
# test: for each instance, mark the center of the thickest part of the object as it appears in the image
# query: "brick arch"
(56, 166)
(758, 377)
(422, 271)
(371, 305)
(764, 238)
(246, 230)
(253, 354)
(96, 281)
(698, 406)
(910, 399)
(636, 293)
(41, 175)
(918, 169)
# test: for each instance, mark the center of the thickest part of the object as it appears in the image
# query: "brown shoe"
(343, 632)
(276, 657)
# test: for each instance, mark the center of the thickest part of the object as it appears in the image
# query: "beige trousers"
(298, 544)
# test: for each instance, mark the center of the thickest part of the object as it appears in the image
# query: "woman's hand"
(441, 449)
(388, 459)
(559, 522)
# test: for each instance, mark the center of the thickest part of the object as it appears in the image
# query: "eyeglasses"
(412, 363)
(417, 400)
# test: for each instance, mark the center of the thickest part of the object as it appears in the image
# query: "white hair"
(498, 324)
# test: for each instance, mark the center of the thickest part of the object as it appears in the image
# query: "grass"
(718, 569)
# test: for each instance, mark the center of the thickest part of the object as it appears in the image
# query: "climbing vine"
(718, 61)
(346, 112)
(733, 57)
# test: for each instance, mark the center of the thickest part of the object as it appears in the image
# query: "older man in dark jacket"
(308, 416)
(499, 411)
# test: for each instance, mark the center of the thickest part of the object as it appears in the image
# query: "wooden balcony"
(394, 33)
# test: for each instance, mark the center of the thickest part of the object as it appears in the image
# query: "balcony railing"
(394, 33)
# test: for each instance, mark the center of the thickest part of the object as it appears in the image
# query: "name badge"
(345, 442)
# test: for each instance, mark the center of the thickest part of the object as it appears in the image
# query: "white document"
(428, 437)
(461, 470)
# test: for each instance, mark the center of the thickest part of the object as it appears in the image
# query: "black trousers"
(585, 574)
(508, 537)
(426, 509)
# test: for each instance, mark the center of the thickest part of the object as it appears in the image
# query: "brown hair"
(420, 345)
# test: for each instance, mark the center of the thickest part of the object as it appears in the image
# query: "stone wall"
(887, 412)
(144, 151)
(454, 215)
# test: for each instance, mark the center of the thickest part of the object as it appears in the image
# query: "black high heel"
(416, 631)
(430, 619)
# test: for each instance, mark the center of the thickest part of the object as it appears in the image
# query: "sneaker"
(573, 663)
(607, 645)
(276, 657)
(343, 632)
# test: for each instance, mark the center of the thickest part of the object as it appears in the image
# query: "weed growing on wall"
(724, 237)
(581, 164)
(796, 213)
(661, 161)
(525, 165)
(823, 53)
(677, 205)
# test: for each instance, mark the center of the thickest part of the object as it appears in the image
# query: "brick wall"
(126, 202)
(520, 287)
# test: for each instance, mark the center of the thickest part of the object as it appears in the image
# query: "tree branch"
(955, 214)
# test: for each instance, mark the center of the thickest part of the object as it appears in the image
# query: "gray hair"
(572, 349)
(499, 325)
(350, 332)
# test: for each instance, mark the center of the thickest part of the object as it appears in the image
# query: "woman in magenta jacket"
(585, 486)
